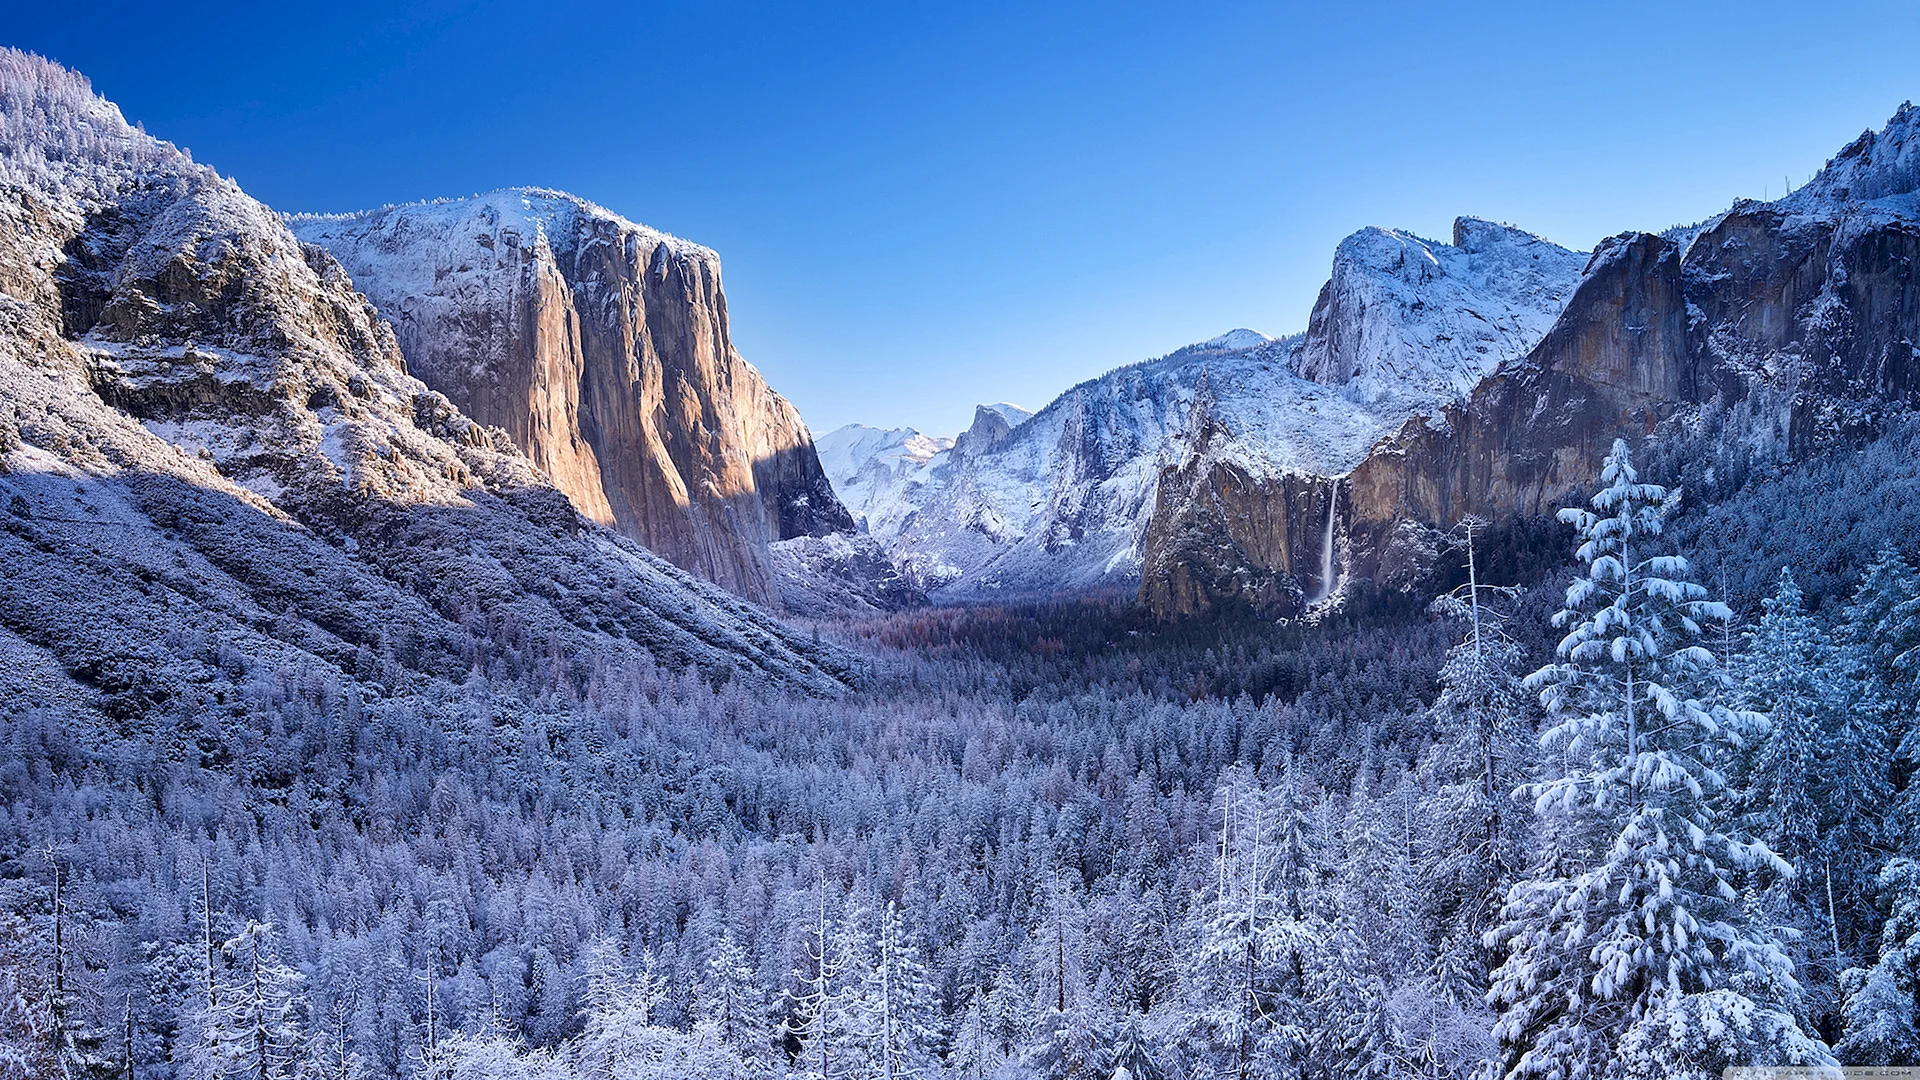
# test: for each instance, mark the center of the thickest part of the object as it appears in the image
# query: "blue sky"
(921, 206)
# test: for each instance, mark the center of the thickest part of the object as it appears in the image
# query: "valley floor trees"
(1059, 841)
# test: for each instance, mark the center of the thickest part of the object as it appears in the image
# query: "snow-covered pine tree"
(1784, 674)
(903, 1016)
(1878, 1019)
(612, 1012)
(26, 1050)
(1882, 640)
(1881, 1013)
(1131, 1057)
(1817, 787)
(1628, 951)
(1882, 636)
(977, 1052)
(255, 1029)
(726, 996)
(331, 1051)
(1067, 1031)
(822, 1016)
(1351, 1035)
(1483, 753)
(1253, 932)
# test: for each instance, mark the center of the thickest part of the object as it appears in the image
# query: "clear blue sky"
(925, 206)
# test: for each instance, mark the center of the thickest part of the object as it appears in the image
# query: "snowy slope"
(870, 467)
(1061, 500)
(1402, 318)
(205, 431)
(1878, 165)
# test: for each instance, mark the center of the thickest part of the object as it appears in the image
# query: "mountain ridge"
(205, 426)
(1067, 498)
(1791, 325)
(603, 348)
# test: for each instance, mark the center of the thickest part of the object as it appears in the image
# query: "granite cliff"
(213, 461)
(602, 348)
(1794, 324)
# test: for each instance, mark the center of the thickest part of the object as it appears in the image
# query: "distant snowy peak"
(845, 451)
(1404, 318)
(871, 468)
(992, 426)
(1235, 340)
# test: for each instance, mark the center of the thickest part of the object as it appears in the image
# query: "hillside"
(216, 462)
(602, 348)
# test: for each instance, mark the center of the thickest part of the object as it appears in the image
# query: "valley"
(430, 650)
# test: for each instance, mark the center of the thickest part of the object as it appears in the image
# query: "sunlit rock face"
(1270, 514)
(208, 435)
(602, 348)
(1796, 322)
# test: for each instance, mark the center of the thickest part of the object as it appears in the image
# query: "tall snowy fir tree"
(1483, 753)
(1630, 949)
(1067, 1027)
(254, 1023)
(1817, 788)
(726, 996)
(823, 1025)
(1254, 932)
(902, 1018)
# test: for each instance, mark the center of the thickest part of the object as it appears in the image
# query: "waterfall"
(1326, 547)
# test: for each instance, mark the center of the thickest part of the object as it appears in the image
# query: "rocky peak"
(1877, 165)
(991, 427)
(603, 348)
(1793, 323)
(173, 359)
(1402, 317)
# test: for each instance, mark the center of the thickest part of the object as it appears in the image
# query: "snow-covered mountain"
(1063, 500)
(603, 348)
(1786, 327)
(871, 467)
(1402, 318)
(212, 453)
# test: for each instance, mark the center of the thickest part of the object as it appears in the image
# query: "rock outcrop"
(1131, 480)
(1401, 317)
(1797, 320)
(602, 348)
(1404, 329)
(211, 452)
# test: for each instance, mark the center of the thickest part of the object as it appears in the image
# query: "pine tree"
(1254, 930)
(1484, 752)
(903, 1019)
(1068, 1027)
(1882, 638)
(1352, 1035)
(977, 1050)
(254, 1029)
(822, 1020)
(726, 996)
(614, 1011)
(1131, 1058)
(1881, 1012)
(1816, 788)
(1630, 942)
(26, 1050)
